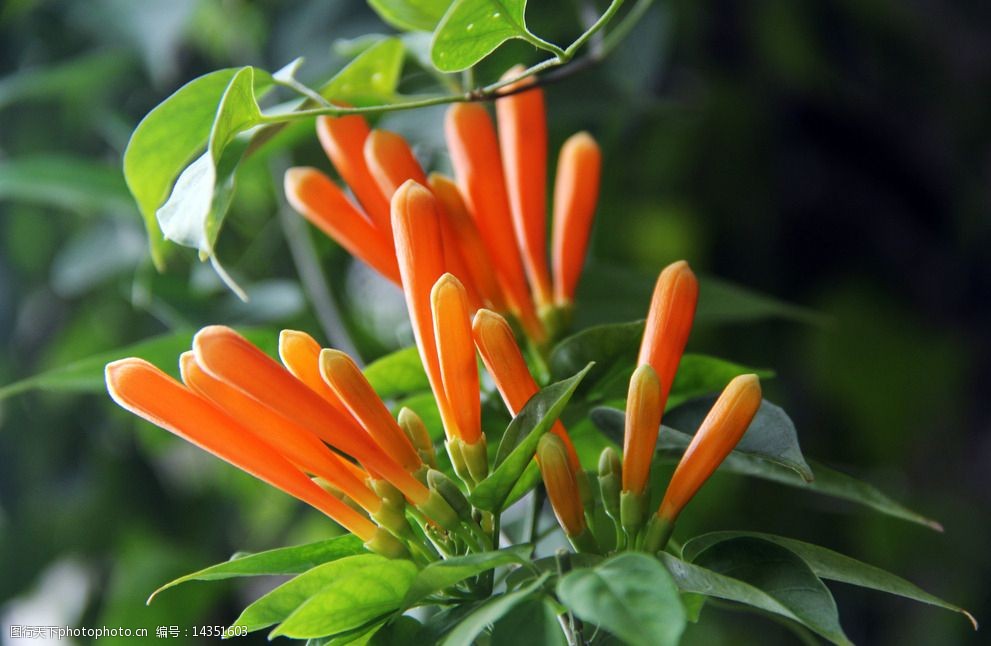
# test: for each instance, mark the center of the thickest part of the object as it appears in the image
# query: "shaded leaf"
(411, 15)
(465, 632)
(631, 595)
(535, 620)
(519, 443)
(396, 374)
(284, 560)
(440, 575)
(64, 182)
(781, 575)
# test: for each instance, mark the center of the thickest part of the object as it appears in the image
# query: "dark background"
(836, 155)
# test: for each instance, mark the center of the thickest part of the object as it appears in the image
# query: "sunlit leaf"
(371, 78)
(472, 29)
(396, 374)
(411, 15)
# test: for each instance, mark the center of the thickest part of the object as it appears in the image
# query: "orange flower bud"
(226, 355)
(460, 229)
(576, 190)
(146, 391)
(561, 484)
(295, 443)
(321, 202)
(522, 121)
(391, 162)
(300, 354)
(720, 431)
(672, 310)
(343, 139)
(456, 352)
(340, 373)
(643, 419)
(505, 363)
(474, 148)
(419, 251)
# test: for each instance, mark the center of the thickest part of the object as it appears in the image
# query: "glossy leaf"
(470, 627)
(781, 575)
(440, 575)
(519, 443)
(86, 375)
(533, 620)
(396, 374)
(472, 29)
(831, 565)
(371, 78)
(351, 599)
(284, 560)
(409, 15)
(631, 595)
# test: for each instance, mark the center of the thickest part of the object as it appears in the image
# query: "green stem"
(614, 6)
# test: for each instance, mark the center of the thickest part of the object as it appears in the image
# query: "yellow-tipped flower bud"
(720, 431)
(418, 434)
(643, 418)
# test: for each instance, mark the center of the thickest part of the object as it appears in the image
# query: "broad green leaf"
(440, 575)
(827, 481)
(781, 575)
(470, 627)
(371, 78)
(350, 600)
(534, 619)
(831, 565)
(195, 209)
(401, 630)
(410, 15)
(284, 560)
(631, 595)
(281, 602)
(164, 143)
(396, 374)
(86, 375)
(771, 434)
(694, 579)
(78, 79)
(520, 442)
(70, 183)
(472, 29)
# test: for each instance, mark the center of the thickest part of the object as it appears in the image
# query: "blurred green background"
(836, 155)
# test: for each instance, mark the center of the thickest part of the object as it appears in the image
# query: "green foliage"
(437, 576)
(470, 627)
(399, 373)
(472, 29)
(422, 15)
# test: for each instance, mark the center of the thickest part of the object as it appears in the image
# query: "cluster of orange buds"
(492, 218)
(312, 427)
(669, 322)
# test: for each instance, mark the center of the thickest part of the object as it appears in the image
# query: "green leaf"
(783, 576)
(724, 302)
(371, 78)
(831, 565)
(472, 29)
(397, 374)
(519, 443)
(86, 375)
(166, 141)
(410, 15)
(277, 605)
(64, 182)
(470, 627)
(351, 599)
(284, 560)
(534, 619)
(631, 595)
(828, 482)
(78, 79)
(771, 435)
(441, 575)
(694, 579)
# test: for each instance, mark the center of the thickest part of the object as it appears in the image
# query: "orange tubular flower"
(419, 251)
(300, 354)
(643, 419)
(576, 191)
(297, 444)
(146, 391)
(465, 236)
(341, 374)
(229, 357)
(343, 139)
(504, 361)
(321, 202)
(561, 484)
(474, 148)
(522, 121)
(720, 431)
(672, 310)
(456, 352)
